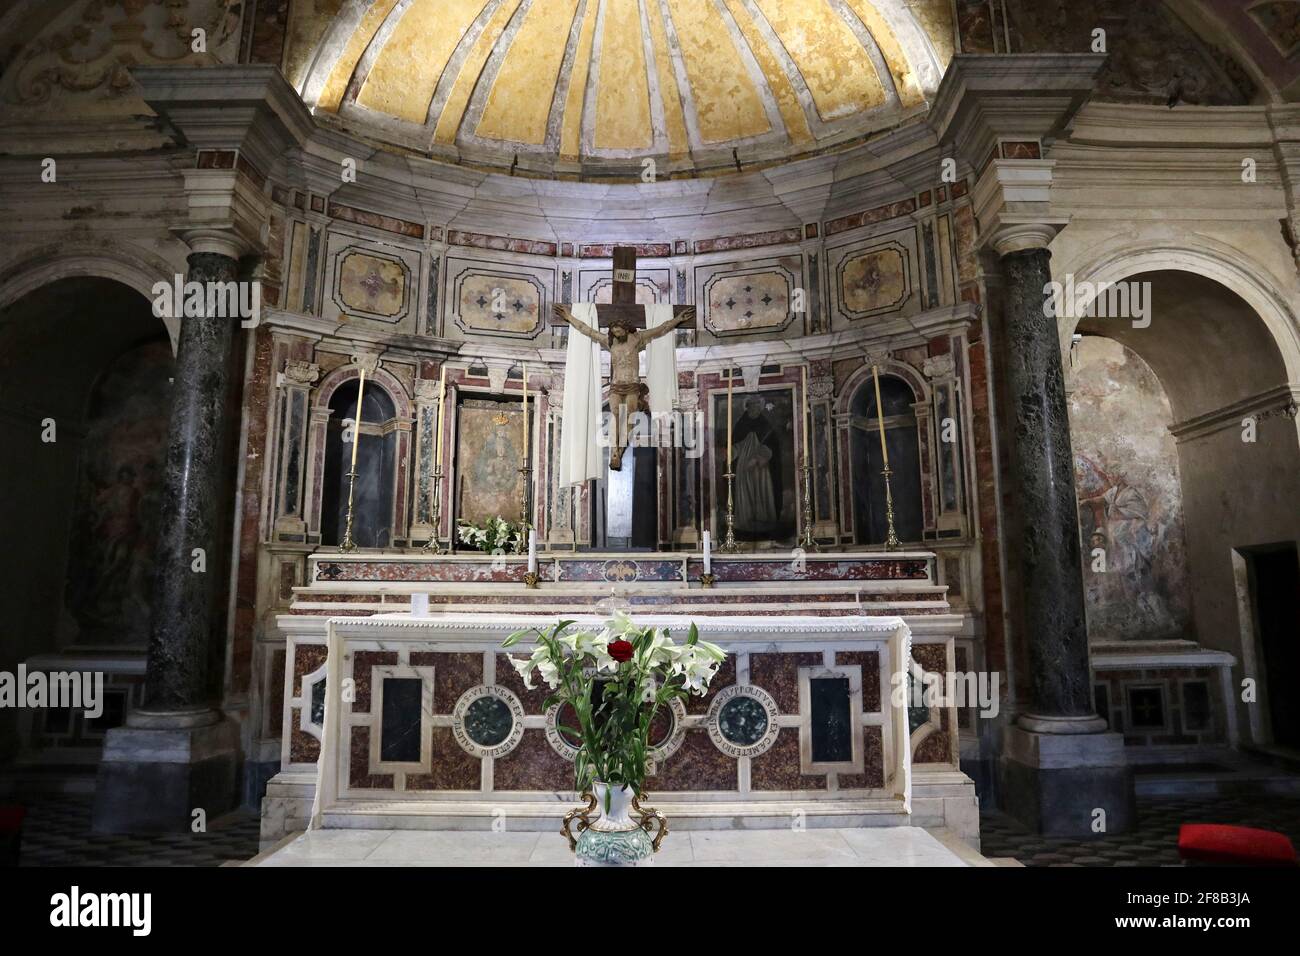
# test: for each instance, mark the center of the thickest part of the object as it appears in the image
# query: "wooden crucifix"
(627, 336)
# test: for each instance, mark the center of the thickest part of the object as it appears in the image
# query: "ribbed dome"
(597, 86)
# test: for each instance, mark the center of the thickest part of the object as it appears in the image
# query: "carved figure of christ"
(626, 337)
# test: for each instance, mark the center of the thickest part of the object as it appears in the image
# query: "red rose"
(620, 650)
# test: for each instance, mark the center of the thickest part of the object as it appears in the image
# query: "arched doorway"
(902, 440)
(1229, 474)
(85, 371)
(372, 505)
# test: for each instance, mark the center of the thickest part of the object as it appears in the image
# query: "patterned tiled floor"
(57, 833)
(1153, 843)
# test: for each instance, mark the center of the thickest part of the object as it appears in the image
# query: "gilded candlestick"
(432, 546)
(521, 542)
(806, 540)
(348, 544)
(891, 537)
(728, 545)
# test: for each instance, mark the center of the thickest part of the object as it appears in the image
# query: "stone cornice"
(1272, 402)
(1016, 96)
(251, 108)
(902, 333)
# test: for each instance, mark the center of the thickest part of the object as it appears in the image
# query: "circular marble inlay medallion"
(742, 721)
(666, 733)
(488, 721)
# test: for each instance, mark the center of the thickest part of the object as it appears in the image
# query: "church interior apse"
(891, 344)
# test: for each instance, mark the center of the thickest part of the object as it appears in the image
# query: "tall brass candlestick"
(432, 546)
(347, 543)
(729, 539)
(891, 537)
(806, 540)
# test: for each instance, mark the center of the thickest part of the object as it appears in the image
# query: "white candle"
(532, 550)
(419, 605)
(356, 424)
(442, 392)
(708, 553)
(729, 374)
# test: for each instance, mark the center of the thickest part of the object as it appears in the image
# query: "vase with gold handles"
(614, 829)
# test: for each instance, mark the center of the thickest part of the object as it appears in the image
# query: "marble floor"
(875, 846)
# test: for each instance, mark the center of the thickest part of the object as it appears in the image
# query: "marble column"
(1042, 476)
(178, 754)
(1061, 772)
(183, 599)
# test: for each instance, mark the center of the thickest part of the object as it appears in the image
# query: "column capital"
(301, 374)
(1009, 235)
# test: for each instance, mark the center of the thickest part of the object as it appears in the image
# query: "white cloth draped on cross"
(580, 424)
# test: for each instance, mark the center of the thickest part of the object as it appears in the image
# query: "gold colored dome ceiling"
(570, 87)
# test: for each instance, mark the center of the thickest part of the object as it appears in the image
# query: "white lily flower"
(524, 667)
(713, 651)
(550, 672)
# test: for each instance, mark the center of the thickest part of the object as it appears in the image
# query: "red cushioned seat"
(11, 818)
(1220, 843)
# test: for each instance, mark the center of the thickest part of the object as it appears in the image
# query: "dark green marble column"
(1060, 771)
(1042, 482)
(178, 755)
(184, 599)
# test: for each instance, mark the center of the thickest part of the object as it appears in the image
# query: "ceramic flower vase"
(612, 837)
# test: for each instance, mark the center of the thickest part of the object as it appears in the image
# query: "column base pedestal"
(161, 767)
(1056, 783)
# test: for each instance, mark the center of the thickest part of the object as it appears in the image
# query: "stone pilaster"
(292, 414)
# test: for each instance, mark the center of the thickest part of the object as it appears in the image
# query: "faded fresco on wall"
(489, 443)
(763, 489)
(1130, 496)
(115, 523)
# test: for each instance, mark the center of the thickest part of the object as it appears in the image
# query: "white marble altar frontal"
(871, 846)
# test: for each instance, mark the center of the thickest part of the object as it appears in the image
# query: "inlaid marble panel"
(370, 281)
(746, 297)
(497, 297)
(778, 769)
(697, 765)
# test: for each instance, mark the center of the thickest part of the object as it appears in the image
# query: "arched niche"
(375, 489)
(325, 418)
(905, 439)
(85, 385)
(1221, 357)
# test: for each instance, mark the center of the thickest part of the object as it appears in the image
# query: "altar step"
(545, 816)
(820, 600)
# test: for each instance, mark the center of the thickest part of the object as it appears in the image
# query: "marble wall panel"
(778, 674)
(506, 298)
(698, 765)
(778, 769)
(450, 767)
(874, 276)
(532, 765)
(747, 297)
(371, 282)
